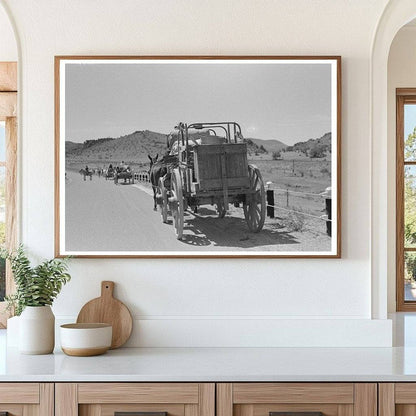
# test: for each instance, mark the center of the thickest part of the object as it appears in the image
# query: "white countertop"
(213, 364)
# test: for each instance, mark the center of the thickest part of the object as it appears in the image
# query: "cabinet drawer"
(297, 399)
(148, 399)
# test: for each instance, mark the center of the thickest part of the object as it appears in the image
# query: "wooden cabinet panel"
(207, 399)
(397, 399)
(386, 400)
(331, 399)
(66, 399)
(104, 399)
(19, 393)
(224, 399)
(138, 393)
(289, 393)
(365, 399)
(110, 409)
(405, 393)
(12, 409)
(27, 399)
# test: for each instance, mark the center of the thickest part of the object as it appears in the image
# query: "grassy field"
(311, 175)
(297, 184)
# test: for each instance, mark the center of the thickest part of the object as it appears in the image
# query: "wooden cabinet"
(208, 399)
(397, 399)
(153, 399)
(27, 399)
(297, 399)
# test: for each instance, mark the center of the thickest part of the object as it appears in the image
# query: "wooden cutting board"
(107, 309)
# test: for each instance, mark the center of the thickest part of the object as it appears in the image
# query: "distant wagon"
(207, 164)
(125, 175)
(109, 173)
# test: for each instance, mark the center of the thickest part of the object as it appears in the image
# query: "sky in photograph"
(289, 102)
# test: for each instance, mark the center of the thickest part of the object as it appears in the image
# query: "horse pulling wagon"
(207, 164)
(125, 175)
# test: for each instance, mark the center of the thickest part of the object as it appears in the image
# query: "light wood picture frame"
(198, 156)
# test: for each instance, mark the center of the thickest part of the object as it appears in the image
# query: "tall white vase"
(37, 330)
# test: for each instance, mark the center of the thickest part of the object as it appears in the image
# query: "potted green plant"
(36, 289)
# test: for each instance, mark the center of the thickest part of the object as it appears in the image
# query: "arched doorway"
(396, 14)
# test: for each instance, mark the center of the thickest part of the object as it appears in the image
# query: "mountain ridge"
(134, 147)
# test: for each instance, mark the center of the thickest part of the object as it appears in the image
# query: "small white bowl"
(84, 340)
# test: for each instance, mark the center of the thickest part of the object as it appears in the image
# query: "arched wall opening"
(401, 74)
(396, 15)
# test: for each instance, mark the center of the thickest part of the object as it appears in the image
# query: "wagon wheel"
(164, 202)
(176, 203)
(220, 207)
(255, 203)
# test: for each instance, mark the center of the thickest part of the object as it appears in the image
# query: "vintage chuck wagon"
(207, 164)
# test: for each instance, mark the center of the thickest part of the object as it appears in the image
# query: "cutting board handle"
(107, 288)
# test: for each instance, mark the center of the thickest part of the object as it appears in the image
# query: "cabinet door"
(26, 399)
(397, 399)
(297, 399)
(143, 399)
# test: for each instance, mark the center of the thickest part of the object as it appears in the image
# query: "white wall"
(8, 47)
(401, 74)
(179, 302)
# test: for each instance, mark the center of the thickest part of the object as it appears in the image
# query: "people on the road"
(123, 166)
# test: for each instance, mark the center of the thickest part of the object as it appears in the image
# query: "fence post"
(270, 200)
(328, 209)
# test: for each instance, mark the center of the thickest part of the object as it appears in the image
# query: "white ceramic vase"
(37, 330)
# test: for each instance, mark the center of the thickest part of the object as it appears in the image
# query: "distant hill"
(253, 148)
(72, 148)
(132, 148)
(313, 147)
(271, 145)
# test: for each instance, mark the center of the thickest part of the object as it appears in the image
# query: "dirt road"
(102, 216)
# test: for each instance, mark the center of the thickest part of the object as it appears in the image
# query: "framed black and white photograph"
(197, 156)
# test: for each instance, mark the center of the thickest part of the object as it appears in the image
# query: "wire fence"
(296, 203)
(288, 200)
